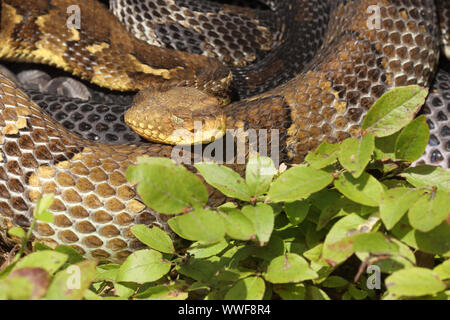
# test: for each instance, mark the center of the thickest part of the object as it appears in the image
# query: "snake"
(312, 81)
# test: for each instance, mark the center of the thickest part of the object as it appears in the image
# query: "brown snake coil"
(94, 205)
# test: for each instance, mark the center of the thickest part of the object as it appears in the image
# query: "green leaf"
(334, 282)
(263, 218)
(296, 211)
(436, 241)
(143, 266)
(163, 292)
(356, 293)
(225, 180)
(385, 147)
(37, 278)
(428, 176)
(430, 210)
(40, 210)
(443, 270)
(251, 288)
(201, 225)
(201, 269)
(314, 254)
(341, 207)
(125, 289)
(289, 268)
(365, 189)
(237, 225)
(38, 246)
(205, 251)
(228, 205)
(229, 274)
(16, 288)
(395, 183)
(395, 203)
(413, 140)
(314, 293)
(324, 198)
(166, 187)
(107, 272)
(73, 282)
(17, 232)
(403, 259)
(155, 238)
(394, 110)
(334, 254)
(291, 291)
(414, 282)
(298, 183)
(373, 242)
(258, 174)
(48, 260)
(45, 216)
(355, 154)
(272, 249)
(73, 255)
(325, 154)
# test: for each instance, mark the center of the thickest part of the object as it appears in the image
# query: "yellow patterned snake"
(94, 205)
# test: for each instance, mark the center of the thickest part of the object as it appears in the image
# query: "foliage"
(352, 222)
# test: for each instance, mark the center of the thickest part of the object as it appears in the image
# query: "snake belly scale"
(94, 205)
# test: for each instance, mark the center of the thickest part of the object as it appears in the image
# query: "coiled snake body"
(348, 65)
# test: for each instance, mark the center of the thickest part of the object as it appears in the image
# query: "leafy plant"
(352, 222)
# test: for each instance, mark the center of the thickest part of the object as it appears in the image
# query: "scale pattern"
(94, 204)
(235, 35)
(92, 120)
(437, 111)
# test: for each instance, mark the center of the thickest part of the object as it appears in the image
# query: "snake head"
(176, 115)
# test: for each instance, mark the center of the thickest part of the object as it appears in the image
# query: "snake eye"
(177, 120)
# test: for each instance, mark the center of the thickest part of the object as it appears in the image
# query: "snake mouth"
(204, 132)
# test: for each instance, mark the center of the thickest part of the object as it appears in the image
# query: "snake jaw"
(201, 135)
